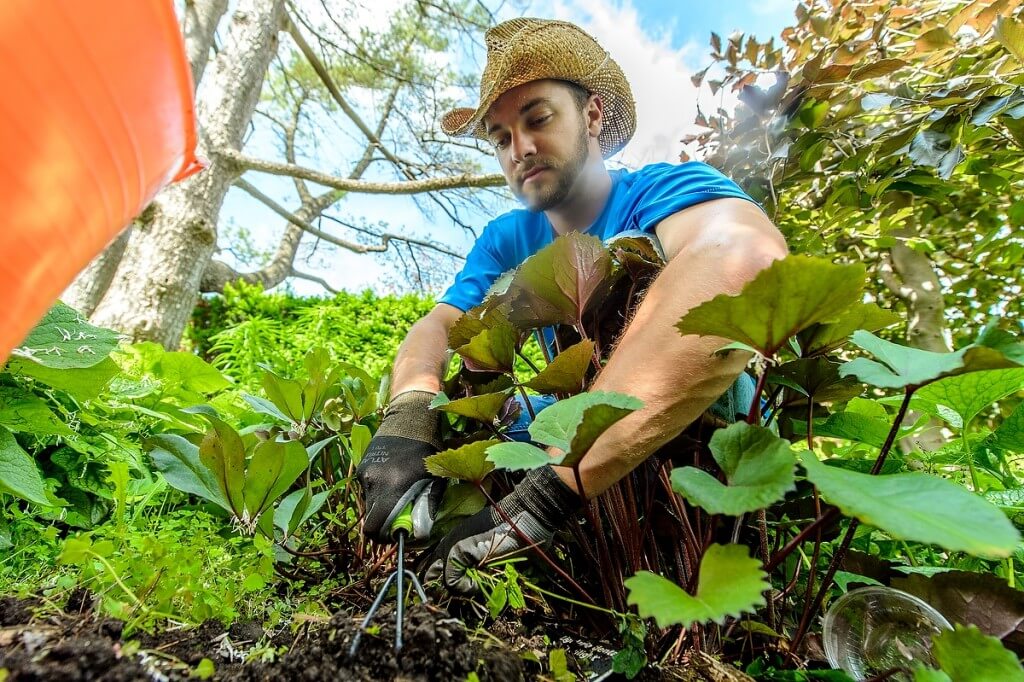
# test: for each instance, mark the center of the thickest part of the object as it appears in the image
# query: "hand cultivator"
(400, 530)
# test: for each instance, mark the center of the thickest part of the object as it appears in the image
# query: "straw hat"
(523, 50)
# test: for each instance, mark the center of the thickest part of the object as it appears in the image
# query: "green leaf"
(519, 456)
(460, 499)
(84, 383)
(757, 464)
(816, 378)
(63, 339)
(823, 338)
(223, 453)
(572, 425)
(730, 583)
(204, 670)
(467, 463)
(966, 655)
(24, 412)
(560, 282)
(492, 350)
(286, 394)
(178, 460)
(936, 149)
(784, 299)
(274, 466)
(968, 394)
(190, 372)
(899, 366)
(850, 426)
(922, 674)
(18, 473)
(483, 408)
(918, 507)
(567, 372)
(1010, 434)
(297, 507)
(264, 406)
(359, 440)
(1010, 34)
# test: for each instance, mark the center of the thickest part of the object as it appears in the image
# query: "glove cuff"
(409, 415)
(543, 494)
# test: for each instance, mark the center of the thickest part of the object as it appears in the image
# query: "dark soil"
(80, 646)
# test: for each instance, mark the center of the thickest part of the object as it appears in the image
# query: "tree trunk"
(199, 27)
(155, 288)
(909, 274)
(87, 290)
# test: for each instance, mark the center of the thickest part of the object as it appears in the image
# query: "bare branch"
(460, 181)
(385, 238)
(313, 278)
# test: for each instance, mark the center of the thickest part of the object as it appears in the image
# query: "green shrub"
(246, 326)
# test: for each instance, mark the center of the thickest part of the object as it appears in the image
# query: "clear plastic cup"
(870, 630)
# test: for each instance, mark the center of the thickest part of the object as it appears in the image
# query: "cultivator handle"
(403, 522)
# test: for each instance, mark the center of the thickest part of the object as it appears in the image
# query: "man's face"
(541, 139)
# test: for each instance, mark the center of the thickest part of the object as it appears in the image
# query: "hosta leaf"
(492, 350)
(918, 507)
(968, 394)
(321, 381)
(483, 408)
(966, 655)
(188, 371)
(223, 453)
(274, 466)
(63, 339)
(567, 371)
(825, 337)
(784, 299)
(572, 425)
(264, 406)
(519, 456)
(24, 412)
(178, 460)
(297, 508)
(757, 464)
(560, 282)
(730, 583)
(286, 394)
(18, 473)
(467, 463)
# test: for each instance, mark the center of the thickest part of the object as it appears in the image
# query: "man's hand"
(392, 472)
(539, 505)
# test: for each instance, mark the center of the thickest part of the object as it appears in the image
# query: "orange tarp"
(96, 116)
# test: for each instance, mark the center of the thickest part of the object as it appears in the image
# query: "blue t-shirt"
(638, 201)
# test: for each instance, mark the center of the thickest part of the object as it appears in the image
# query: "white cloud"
(658, 73)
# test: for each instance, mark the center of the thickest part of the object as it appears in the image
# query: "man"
(554, 105)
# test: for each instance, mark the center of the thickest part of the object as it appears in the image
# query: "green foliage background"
(246, 326)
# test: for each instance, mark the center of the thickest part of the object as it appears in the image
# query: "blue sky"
(658, 43)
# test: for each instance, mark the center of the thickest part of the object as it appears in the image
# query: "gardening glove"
(392, 473)
(539, 505)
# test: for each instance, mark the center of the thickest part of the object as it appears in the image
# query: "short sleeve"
(664, 189)
(482, 267)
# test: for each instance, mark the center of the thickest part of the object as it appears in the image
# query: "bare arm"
(423, 355)
(713, 248)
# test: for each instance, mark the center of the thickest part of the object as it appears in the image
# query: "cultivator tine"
(400, 529)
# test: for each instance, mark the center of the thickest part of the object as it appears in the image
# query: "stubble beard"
(566, 177)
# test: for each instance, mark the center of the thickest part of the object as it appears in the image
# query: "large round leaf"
(468, 463)
(730, 583)
(918, 507)
(757, 464)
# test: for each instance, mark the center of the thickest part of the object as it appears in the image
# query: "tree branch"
(385, 238)
(313, 278)
(461, 181)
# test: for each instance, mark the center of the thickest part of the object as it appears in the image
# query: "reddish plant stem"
(800, 537)
(537, 548)
(603, 553)
(837, 558)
